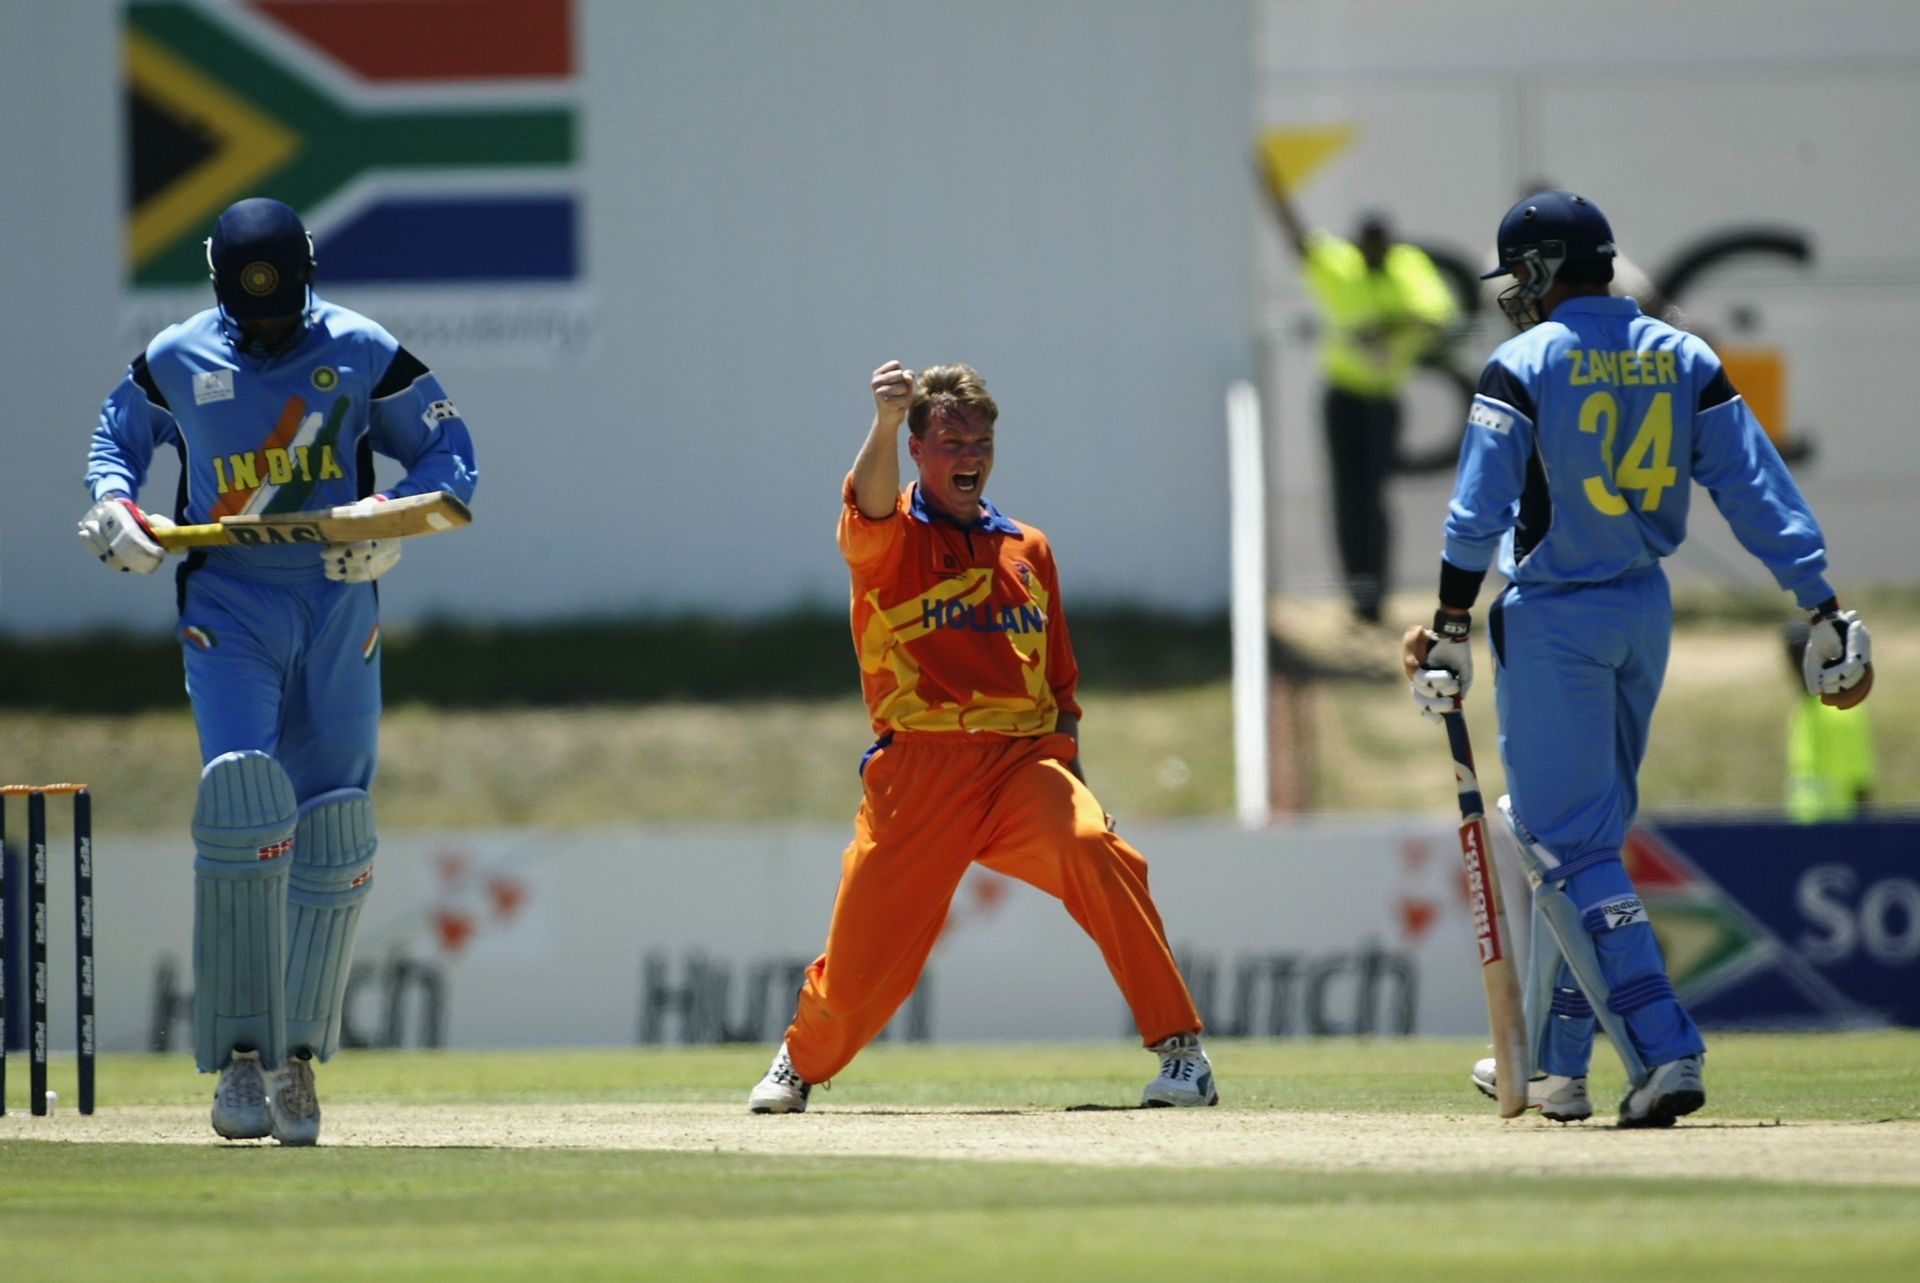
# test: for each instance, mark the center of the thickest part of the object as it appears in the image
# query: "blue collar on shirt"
(990, 516)
(1599, 303)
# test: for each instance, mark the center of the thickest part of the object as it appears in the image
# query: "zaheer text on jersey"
(1586, 439)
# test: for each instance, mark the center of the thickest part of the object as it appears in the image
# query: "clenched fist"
(892, 391)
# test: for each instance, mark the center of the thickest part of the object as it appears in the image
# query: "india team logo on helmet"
(261, 260)
(259, 279)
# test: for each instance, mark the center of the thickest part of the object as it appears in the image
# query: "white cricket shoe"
(1671, 1090)
(1186, 1075)
(240, 1099)
(294, 1103)
(1556, 1096)
(782, 1091)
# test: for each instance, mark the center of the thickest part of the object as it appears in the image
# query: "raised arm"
(1282, 201)
(876, 469)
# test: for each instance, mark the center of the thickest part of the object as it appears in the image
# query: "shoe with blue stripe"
(1186, 1075)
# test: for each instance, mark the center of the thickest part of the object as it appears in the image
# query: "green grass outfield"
(1328, 1160)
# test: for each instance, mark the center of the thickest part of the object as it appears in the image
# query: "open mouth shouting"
(955, 457)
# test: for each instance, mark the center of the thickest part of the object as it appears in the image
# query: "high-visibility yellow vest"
(1401, 302)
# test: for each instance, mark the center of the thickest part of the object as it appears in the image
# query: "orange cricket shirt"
(956, 629)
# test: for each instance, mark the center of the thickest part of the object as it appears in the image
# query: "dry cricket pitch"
(1872, 1153)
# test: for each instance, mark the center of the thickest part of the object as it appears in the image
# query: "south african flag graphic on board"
(424, 141)
(1729, 963)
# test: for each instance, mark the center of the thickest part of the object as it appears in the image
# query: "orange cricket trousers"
(935, 802)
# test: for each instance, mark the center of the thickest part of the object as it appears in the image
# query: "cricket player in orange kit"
(969, 676)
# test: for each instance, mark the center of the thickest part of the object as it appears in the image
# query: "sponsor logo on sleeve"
(442, 409)
(1487, 415)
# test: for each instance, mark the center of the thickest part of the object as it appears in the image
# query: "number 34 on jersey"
(1646, 468)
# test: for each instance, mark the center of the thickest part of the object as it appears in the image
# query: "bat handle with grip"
(1466, 780)
(183, 538)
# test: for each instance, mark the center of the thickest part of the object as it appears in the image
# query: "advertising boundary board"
(611, 937)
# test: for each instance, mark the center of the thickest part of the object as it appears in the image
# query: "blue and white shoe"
(782, 1091)
(1671, 1090)
(240, 1099)
(1186, 1075)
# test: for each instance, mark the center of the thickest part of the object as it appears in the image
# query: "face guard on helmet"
(1544, 233)
(260, 258)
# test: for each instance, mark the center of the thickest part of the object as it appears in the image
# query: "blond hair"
(948, 388)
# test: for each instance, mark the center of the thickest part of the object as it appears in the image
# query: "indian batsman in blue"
(275, 401)
(1584, 440)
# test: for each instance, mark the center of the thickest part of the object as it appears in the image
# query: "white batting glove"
(1838, 653)
(1439, 664)
(363, 560)
(121, 536)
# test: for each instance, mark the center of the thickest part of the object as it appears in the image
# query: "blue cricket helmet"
(262, 260)
(1547, 231)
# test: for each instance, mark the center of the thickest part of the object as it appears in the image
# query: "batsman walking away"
(276, 402)
(1583, 441)
(969, 678)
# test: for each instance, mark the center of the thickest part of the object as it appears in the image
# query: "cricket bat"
(1511, 1067)
(419, 514)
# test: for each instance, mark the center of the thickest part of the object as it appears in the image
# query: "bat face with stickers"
(420, 514)
(1491, 935)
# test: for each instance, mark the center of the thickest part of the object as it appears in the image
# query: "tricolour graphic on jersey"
(279, 475)
(424, 141)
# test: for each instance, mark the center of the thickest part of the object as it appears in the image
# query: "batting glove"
(1440, 665)
(121, 536)
(1838, 660)
(363, 560)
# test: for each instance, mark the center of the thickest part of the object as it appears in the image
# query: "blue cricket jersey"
(287, 432)
(1583, 441)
